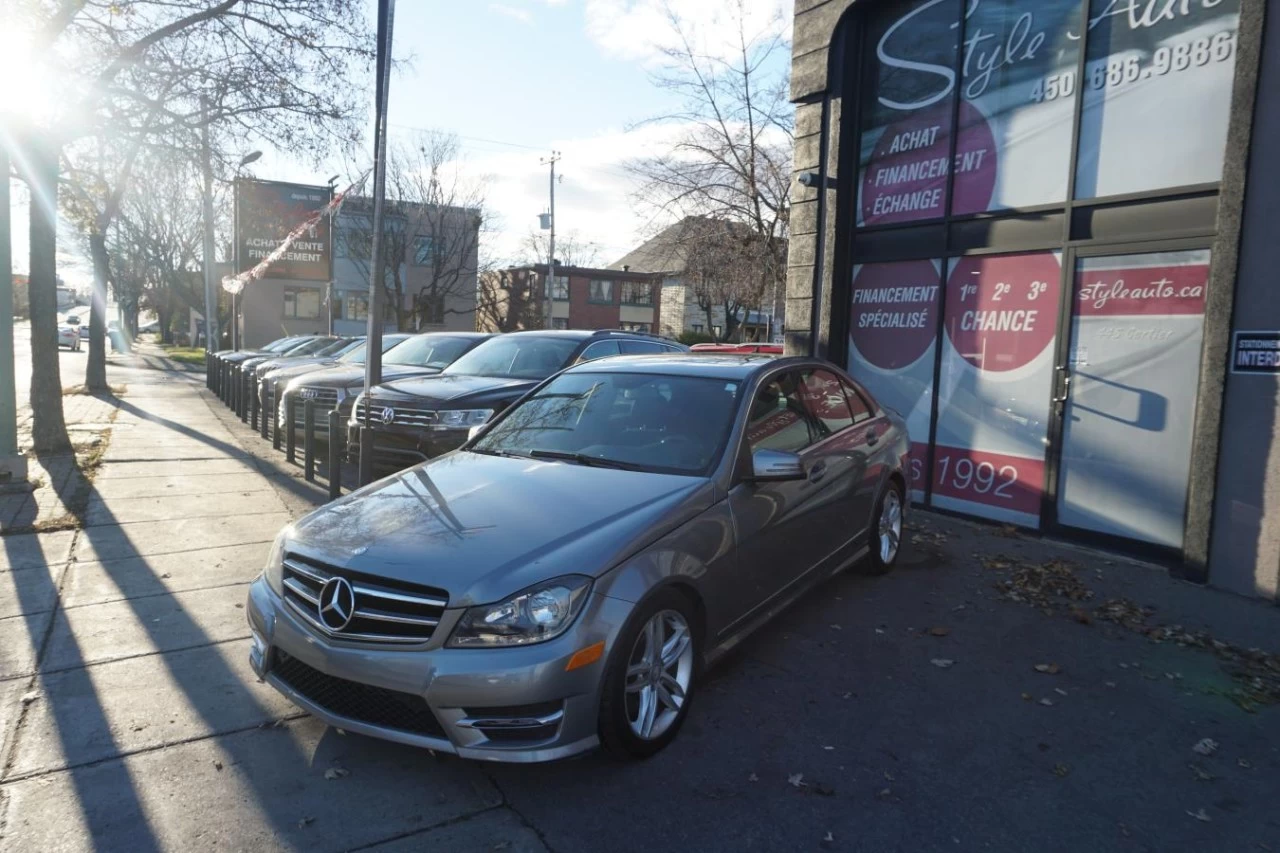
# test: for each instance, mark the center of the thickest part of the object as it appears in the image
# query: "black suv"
(419, 418)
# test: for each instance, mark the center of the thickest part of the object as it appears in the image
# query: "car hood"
(273, 363)
(483, 527)
(345, 377)
(290, 369)
(450, 389)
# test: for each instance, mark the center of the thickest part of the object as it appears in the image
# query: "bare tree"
(730, 157)
(572, 250)
(509, 300)
(150, 74)
(435, 221)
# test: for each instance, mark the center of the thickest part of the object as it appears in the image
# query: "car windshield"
(337, 347)
(427, 351)
(642, 421)
(518, 356)
(281, 345)
(309, 346)
(355, 355)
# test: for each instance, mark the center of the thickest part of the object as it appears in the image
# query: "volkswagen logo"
(388, 415)
(337, 604)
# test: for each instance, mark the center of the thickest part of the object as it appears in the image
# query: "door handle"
(817, 472)
(1066, 388)
(872, 438)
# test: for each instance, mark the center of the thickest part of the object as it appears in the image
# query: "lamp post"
(251, 157)
(333, 236)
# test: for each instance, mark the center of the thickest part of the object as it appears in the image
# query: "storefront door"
(1127, 394)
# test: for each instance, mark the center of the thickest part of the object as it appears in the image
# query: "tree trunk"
(95, 371)
(49, 428)
(164, 316)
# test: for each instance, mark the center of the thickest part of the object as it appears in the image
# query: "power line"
(470, 138)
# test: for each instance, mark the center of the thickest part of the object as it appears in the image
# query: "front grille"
(386, 611)
(326, 400)
(360, 702)
(405, 414)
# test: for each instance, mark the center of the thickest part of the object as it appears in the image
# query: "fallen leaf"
(1206, 746)
(939, 630)
(796, 780)
(1059, 691)
(1048, 668)
(942, 663)
(753, 778)
(239, 605)
(888, 775)
(879, 630)
(828, 839)
(336, 772)
(828, 748)
(884, 792)
(1200, 773)
(848, 695)
(1047, 702)
(1244, 762)
(217, 765)
(1026, 697)
(341, 732)
(1061, 770)
(834, 627)
(1110, 683)
(28, 698)
(1201, 815)
(165, 575)
(305, 822)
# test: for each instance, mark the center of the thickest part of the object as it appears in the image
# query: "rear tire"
(886, 532)
(638, 691)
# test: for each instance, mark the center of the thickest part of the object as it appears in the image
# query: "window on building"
(637, 293)
(635, 327)
(355, 308)
(560, 323)
(560, 288)
(431, 309)
(302, 303)
(601, 291)
(697, 328)
(425, 251)
(972, 226)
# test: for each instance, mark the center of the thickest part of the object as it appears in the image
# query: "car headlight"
(274, 570)
(534, 615)
(464, 418)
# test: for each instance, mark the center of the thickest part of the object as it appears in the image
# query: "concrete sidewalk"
(897, 713)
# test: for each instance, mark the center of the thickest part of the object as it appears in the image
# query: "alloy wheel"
(890, 526)
(659, 671)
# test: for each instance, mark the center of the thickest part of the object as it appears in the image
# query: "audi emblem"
(310, 393)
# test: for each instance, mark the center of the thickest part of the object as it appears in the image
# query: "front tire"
(886, 534)
(650, 680)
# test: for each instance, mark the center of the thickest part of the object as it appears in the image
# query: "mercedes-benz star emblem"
(388, 415)
(337, 604)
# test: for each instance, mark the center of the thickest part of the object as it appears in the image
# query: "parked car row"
(578, 523)
(588, 534)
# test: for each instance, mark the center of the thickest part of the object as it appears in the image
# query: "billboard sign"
(266, 213)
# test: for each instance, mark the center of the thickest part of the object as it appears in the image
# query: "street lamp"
(333, 231)
(251, 157)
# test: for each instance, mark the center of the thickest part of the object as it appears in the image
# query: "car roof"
(471, 336)
(711, 366)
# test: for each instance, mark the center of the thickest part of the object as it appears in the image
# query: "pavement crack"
(453, 821)
(521, 816)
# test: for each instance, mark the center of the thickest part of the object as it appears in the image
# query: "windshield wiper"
(487, 452)
(584, 459)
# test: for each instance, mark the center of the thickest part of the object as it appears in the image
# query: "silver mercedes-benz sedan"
(561, 581)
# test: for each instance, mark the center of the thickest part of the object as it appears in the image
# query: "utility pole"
(13, 465)
(377, 279)
(211, 332)
(551, 242)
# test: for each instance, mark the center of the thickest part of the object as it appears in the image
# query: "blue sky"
(515, 79)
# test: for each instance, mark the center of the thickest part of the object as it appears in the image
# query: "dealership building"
(1047, 232)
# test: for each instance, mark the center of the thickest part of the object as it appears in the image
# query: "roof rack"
(607, 332)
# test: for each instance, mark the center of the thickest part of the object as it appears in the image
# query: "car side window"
(778, 419)
(824, 400)
(599, 349)
(641, 347)
(858, 403)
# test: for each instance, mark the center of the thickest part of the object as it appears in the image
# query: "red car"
(760, 349)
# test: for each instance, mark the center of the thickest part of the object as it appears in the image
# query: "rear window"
(521, 357)
(427, 351)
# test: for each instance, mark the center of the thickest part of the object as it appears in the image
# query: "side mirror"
(776, 465)
(474, 431)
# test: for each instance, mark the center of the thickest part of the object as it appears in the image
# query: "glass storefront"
(1027, 246)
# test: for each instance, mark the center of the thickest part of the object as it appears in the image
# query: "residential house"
(581, 298)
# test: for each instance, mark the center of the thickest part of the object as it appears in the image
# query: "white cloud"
(640, 29)
(524, 16)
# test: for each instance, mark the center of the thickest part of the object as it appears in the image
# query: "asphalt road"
(71, 364)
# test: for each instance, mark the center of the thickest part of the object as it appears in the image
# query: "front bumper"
(511, 705)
